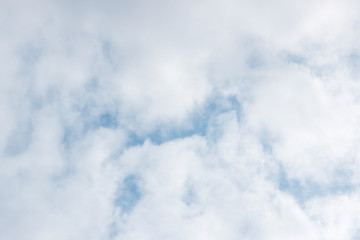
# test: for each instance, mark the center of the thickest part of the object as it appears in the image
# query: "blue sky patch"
(255, 60)
(199, 122)
(303, 191)
(128, 194)
(295, 58)
(19, 139)
(189, 196)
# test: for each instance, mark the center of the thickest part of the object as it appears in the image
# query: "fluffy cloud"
(179, 120)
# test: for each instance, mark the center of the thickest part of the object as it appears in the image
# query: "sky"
(179, 119)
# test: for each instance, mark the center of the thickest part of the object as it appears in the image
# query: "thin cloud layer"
(179, 120)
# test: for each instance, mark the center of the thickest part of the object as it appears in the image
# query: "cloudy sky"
(180, 120)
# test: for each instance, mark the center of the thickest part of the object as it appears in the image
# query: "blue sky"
(179, 120)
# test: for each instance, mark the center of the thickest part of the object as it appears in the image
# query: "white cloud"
(179, 120)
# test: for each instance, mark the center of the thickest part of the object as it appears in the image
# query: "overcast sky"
(179, 120)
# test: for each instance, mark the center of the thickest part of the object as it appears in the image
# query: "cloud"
(179, 120)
